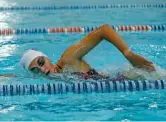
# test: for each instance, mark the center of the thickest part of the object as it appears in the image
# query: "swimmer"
(72, 59)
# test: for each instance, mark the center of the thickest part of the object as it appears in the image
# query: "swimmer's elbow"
(106, 26)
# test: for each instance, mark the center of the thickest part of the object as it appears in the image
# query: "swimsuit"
(93, 74)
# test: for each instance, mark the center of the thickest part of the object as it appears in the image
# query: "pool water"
(147, 105)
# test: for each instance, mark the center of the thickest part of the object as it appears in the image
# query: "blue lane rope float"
(122, 28)
(81, 87)
(75, 7)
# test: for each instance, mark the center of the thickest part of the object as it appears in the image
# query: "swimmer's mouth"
(48, 72)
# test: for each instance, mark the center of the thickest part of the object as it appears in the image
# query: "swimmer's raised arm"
(78, 50)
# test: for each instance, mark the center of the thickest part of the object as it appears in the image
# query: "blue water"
(149, 105)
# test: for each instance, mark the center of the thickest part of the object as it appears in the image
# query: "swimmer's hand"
(139, 61)
(7, 75)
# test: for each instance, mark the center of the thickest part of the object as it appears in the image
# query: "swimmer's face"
(42, 65)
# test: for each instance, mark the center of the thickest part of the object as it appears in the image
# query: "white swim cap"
(29, 56)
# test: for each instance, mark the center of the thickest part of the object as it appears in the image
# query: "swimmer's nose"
(44, 70)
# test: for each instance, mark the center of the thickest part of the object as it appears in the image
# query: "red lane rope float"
(134, 28)
(120, 28)
(7, 31)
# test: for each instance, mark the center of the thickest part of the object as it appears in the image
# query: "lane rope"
(81, 87)
(75, 7)
(120, 28)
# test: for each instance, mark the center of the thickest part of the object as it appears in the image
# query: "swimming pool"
(146, 105)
